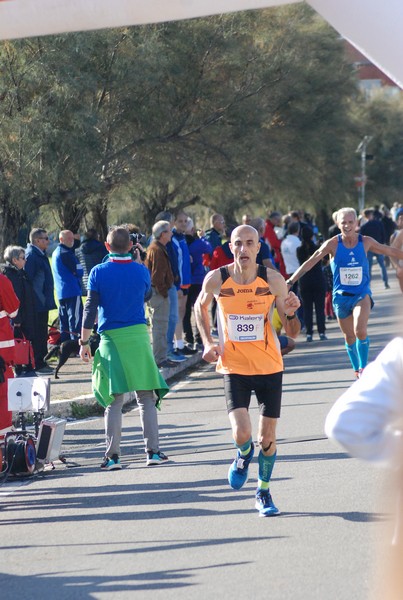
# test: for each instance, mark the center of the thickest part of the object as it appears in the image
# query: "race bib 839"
(245, 328)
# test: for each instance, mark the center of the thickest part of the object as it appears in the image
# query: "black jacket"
(24, 291)
(90, 253)
(374, 229)
(314, 278)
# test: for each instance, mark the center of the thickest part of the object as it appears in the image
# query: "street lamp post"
(362, 148)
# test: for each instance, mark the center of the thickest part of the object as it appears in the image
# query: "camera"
(138, 238)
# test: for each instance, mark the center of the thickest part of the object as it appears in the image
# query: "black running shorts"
(239, 388)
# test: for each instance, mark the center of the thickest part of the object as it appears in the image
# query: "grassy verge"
(82, 410)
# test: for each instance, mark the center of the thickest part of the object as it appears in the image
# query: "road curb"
(86, 404)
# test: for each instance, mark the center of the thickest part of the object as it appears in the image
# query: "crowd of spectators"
(178, 254)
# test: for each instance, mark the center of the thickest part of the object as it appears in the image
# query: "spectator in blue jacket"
(68, 273)
(37, 268)
(215, 234)
(183, 285)
(198, 247)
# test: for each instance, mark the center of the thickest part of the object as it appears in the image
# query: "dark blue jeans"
(381, 262)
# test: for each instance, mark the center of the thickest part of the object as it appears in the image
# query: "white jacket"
(367, 420)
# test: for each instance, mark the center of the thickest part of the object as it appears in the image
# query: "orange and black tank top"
(250, 343)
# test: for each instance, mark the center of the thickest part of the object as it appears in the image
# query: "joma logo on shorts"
(244, 291)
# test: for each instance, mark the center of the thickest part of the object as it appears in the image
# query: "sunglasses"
(43, 238)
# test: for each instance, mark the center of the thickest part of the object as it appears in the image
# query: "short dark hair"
(164, 215)
(293, 228)
(118, 239)
(91, 234)
(306, 234)
(131, 228)
(35, 234)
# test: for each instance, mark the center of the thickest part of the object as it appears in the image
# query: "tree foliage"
(247, 109)
(382, 118)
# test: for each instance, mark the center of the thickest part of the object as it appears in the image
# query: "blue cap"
(398, 213)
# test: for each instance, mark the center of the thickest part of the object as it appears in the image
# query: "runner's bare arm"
(211, 286)
(396, 242)
(287, 308)
(287, 303)
(377, 248)
(328, 247)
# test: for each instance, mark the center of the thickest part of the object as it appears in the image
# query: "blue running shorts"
(344, 303)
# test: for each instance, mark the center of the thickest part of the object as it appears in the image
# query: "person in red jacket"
(9, 305)
(222, 255)
(270, 236)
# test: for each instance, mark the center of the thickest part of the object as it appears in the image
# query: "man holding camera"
(124, 361)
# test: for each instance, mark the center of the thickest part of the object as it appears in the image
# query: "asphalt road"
(178, 530)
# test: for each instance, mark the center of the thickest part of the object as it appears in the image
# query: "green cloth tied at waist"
(124, 362)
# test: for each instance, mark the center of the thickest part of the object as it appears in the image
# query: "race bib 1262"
(350, 275)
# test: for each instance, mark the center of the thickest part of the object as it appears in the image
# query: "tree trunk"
(71, 211)
(99, 217)
(11, 221)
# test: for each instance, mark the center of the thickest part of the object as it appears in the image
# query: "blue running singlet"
(350, 270)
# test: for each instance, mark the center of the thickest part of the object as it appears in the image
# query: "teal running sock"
(245, 448)
(362, 351)
(353, 355)
(266, 464)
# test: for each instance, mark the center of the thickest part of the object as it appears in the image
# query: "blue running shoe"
(265, 505)
(176, 357)
(111, 464)
(238, 471)
(156, 458)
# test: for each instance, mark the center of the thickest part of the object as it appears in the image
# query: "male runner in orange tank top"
(248, 352)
